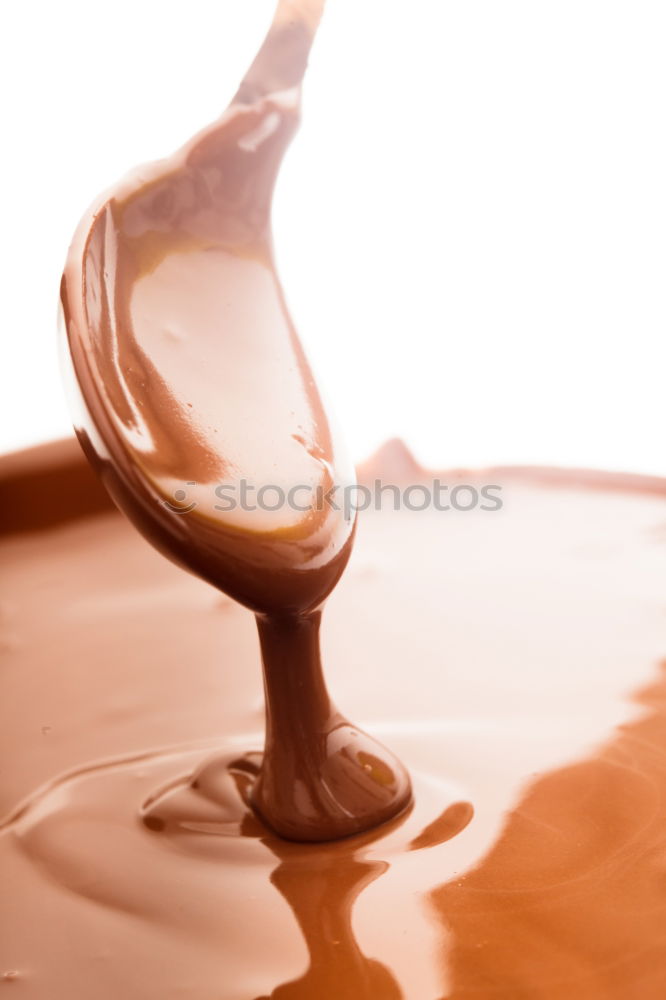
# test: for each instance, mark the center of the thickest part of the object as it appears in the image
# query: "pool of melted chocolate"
(512, 658)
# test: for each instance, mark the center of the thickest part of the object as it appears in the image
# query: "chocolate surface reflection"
(202, 867)
(321, 884)
(575, 887)
(188, 372)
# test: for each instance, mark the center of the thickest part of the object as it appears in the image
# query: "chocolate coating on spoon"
(191, 382)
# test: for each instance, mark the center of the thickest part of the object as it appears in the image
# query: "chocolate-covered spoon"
(199, 410)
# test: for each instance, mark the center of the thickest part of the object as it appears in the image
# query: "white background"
(471, 225)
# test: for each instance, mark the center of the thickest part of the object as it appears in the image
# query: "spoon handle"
(281, 61)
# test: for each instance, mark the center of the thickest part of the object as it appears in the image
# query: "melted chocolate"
(190, 374)
(530, 863)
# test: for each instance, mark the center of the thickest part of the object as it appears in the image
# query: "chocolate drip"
(327, 779)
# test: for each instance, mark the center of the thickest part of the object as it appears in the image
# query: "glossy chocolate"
(534, 726)
(190, 380)
(512, 658)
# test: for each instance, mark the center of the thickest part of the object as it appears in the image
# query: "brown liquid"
(530, 862)
(191, 375)
(533, 723)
